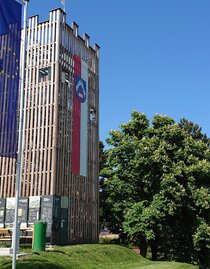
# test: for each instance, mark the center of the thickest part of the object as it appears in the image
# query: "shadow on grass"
(27, 246)
(57, 251)
(33, 264)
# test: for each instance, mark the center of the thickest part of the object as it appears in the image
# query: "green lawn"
(89, 257)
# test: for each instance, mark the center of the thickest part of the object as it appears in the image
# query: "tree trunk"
(143, 247)
(154, 249)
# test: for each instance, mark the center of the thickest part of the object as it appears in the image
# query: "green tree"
(201, 240)
(157, 185)
(194, 130)
(104, 209)
(102, 155)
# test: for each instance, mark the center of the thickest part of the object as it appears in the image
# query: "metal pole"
(15, 235)
(64, 5)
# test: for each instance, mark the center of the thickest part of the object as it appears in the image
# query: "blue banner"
(10, 38)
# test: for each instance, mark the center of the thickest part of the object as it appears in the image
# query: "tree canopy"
(157, 186)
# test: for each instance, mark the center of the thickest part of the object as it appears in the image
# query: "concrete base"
(6, 251)
(9, 252)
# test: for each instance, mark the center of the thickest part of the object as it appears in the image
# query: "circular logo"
(81, 91)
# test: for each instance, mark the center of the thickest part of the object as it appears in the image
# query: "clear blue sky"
(155, 56)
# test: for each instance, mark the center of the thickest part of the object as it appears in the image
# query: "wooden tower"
(61, 122)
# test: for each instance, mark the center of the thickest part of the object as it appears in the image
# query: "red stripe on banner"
(76, 115)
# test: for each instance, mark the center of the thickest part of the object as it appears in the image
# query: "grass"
(99, 256)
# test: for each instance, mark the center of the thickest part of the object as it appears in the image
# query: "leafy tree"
(105, 209)
(194, 130)
(201, 240)
(157, 185)
(102, 155)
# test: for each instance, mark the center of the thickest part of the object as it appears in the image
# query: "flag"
(80, 117)
(10, 38)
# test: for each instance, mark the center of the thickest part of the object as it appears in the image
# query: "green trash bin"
(39, 236)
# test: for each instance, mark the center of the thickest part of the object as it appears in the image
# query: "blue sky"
(155, 56)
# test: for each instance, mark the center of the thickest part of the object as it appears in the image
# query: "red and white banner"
(80, 118)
